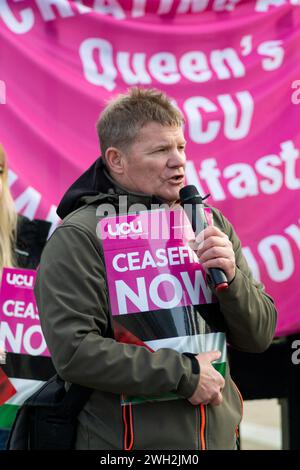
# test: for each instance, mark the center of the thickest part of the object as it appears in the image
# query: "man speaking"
(143, 158)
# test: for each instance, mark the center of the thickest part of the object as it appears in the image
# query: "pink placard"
(20, 329)
(150, 264)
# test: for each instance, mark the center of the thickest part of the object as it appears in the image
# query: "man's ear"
(114, 160)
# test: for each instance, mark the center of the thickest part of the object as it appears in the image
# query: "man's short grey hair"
(124, 116)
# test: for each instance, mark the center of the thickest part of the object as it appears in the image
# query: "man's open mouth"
(177, 178)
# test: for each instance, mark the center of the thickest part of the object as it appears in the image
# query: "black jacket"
(31, 239)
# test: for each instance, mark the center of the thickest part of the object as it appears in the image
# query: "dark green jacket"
(72, 296)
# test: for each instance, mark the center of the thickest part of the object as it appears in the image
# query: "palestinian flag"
(192, 329)
(24, 375)
(7, 390)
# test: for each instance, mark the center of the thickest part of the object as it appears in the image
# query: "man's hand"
(215, 251)
(210, 383)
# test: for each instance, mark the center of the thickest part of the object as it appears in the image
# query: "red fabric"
(7, 390)
(123, 335)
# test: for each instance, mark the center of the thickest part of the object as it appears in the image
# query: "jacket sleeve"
(249, 313)
(72, 299)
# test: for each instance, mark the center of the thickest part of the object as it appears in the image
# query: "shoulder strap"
(75, 399)
(53, 394)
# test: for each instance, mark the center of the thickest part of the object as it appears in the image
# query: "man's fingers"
(217, 399)
(208, 238)
(222, 382)
(211, 244)
(212, 230)
(213, 355)
(213, 240)
(216, 252)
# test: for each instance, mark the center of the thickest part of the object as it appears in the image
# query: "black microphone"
(192, 203)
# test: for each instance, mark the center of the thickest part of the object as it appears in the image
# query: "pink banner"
(231, 66)
(20, 329)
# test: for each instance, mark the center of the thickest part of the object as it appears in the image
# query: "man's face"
(155, 162)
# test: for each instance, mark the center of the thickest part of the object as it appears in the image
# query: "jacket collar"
(116, 190)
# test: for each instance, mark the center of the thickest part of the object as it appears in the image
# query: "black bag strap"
(75, 398)
(68, 403)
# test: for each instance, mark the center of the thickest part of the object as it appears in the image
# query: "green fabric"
(220, 367)
(7, 415)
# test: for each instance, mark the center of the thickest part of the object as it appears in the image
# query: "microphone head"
(190, 195)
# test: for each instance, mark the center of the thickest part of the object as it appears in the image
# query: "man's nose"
(176, 158)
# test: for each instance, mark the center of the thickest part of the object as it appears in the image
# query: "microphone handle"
(217, 275)
(218, 278)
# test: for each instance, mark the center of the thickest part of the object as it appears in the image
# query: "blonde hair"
(8, 220)
(124, 116)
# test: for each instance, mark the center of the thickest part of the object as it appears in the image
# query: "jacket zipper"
(202, 407)
(240, 396)
(202, 427)
(128, 427)
(237, 430)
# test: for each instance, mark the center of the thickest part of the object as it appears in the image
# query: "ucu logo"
(125, 228)
(19, 280)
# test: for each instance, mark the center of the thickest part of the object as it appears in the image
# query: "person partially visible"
(21, 241)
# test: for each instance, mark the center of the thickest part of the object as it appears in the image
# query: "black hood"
(92, 182)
